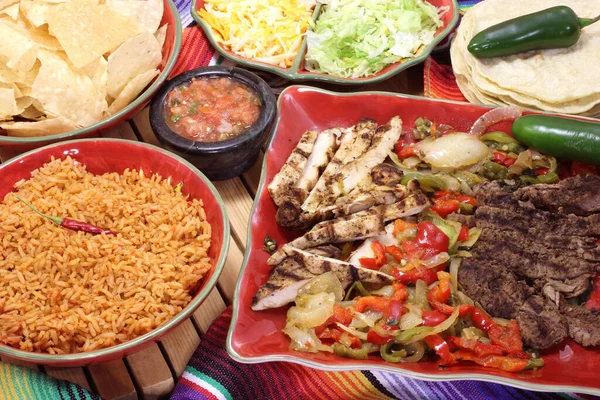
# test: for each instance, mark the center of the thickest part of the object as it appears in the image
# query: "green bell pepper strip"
(567, 138)
(358, 286)
(345, 351)
(552, 28)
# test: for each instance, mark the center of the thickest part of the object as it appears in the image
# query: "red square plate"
(255, 336)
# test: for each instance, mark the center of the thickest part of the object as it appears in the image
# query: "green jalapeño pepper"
(568, 138)
(552, 28)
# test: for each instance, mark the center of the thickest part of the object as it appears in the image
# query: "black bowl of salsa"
(215, 117)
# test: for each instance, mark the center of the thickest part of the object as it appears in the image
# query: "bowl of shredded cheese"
(338, 41)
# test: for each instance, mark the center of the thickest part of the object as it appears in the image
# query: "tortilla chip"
(97, 70)
(161, 35)
(11, 11)
(31, 113)
(132, 90)
(147, 13)
(134, 57)
(13, 50)
(44, 127)
(86, 30)
(7, 3)
(64, 91)
(8, 103)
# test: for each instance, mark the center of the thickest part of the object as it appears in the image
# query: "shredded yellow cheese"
(268, 31)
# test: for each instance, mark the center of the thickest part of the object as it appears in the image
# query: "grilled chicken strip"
(356, 226)
(288, 175)
(411, 205)
(282, 286)
(349, 175)
(345, 271)
(381, 186)
(324, 148)
(335, 231)
(353, 144)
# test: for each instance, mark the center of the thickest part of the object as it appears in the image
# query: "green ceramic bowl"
(297, 72)
(170, 52)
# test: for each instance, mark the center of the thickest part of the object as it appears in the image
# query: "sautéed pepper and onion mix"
(212, 109)
(424, 314)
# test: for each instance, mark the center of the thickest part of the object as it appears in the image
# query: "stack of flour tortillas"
(557, 80)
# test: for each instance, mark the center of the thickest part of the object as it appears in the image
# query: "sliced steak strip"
(530, 262)
(532, 220)
(499, 292)
(541, 323)
(584, 325)
(579, 195)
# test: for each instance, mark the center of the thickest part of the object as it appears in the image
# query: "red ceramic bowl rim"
(113, 351)
(358, 365)
(140, 99)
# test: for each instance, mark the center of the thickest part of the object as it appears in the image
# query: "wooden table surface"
(152, 372)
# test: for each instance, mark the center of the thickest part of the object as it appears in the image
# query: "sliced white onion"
(493, 117)
(311, 310)
(454, 264)
(368, 318)
(453, 151)
(359, 334)
(436, 260)
(414, 317)
(305, 340)
(386, 291)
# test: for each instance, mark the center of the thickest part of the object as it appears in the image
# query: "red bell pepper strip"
(463, 309)
(376, 262)
(401, 226)
(480, 349)
(400, 292)
(444, 207)
(429, 275)
(503, 363)
(369, 262)
(509, 337)
(407, 151)
(463, 235)
(509, 161)
(395, 252)
(499, 157)
(481, 320)
(441, 293)
(399, 146)
(375, 303)
(594, 300)
(376, 338)
(430, 241)
(441, 348)
(340, 314)
(433, 318)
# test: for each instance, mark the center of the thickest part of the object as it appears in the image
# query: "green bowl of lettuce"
(357, 41)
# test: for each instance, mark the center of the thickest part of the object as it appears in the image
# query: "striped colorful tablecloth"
(211, 374)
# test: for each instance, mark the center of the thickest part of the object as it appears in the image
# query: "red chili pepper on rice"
(69, 223)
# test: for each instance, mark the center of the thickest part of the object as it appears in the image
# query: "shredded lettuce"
(358, 38)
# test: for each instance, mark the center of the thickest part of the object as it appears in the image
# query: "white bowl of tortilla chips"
(76, 67)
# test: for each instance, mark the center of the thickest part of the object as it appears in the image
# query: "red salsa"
(212, 109)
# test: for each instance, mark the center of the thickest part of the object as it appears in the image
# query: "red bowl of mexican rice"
(70, 296)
